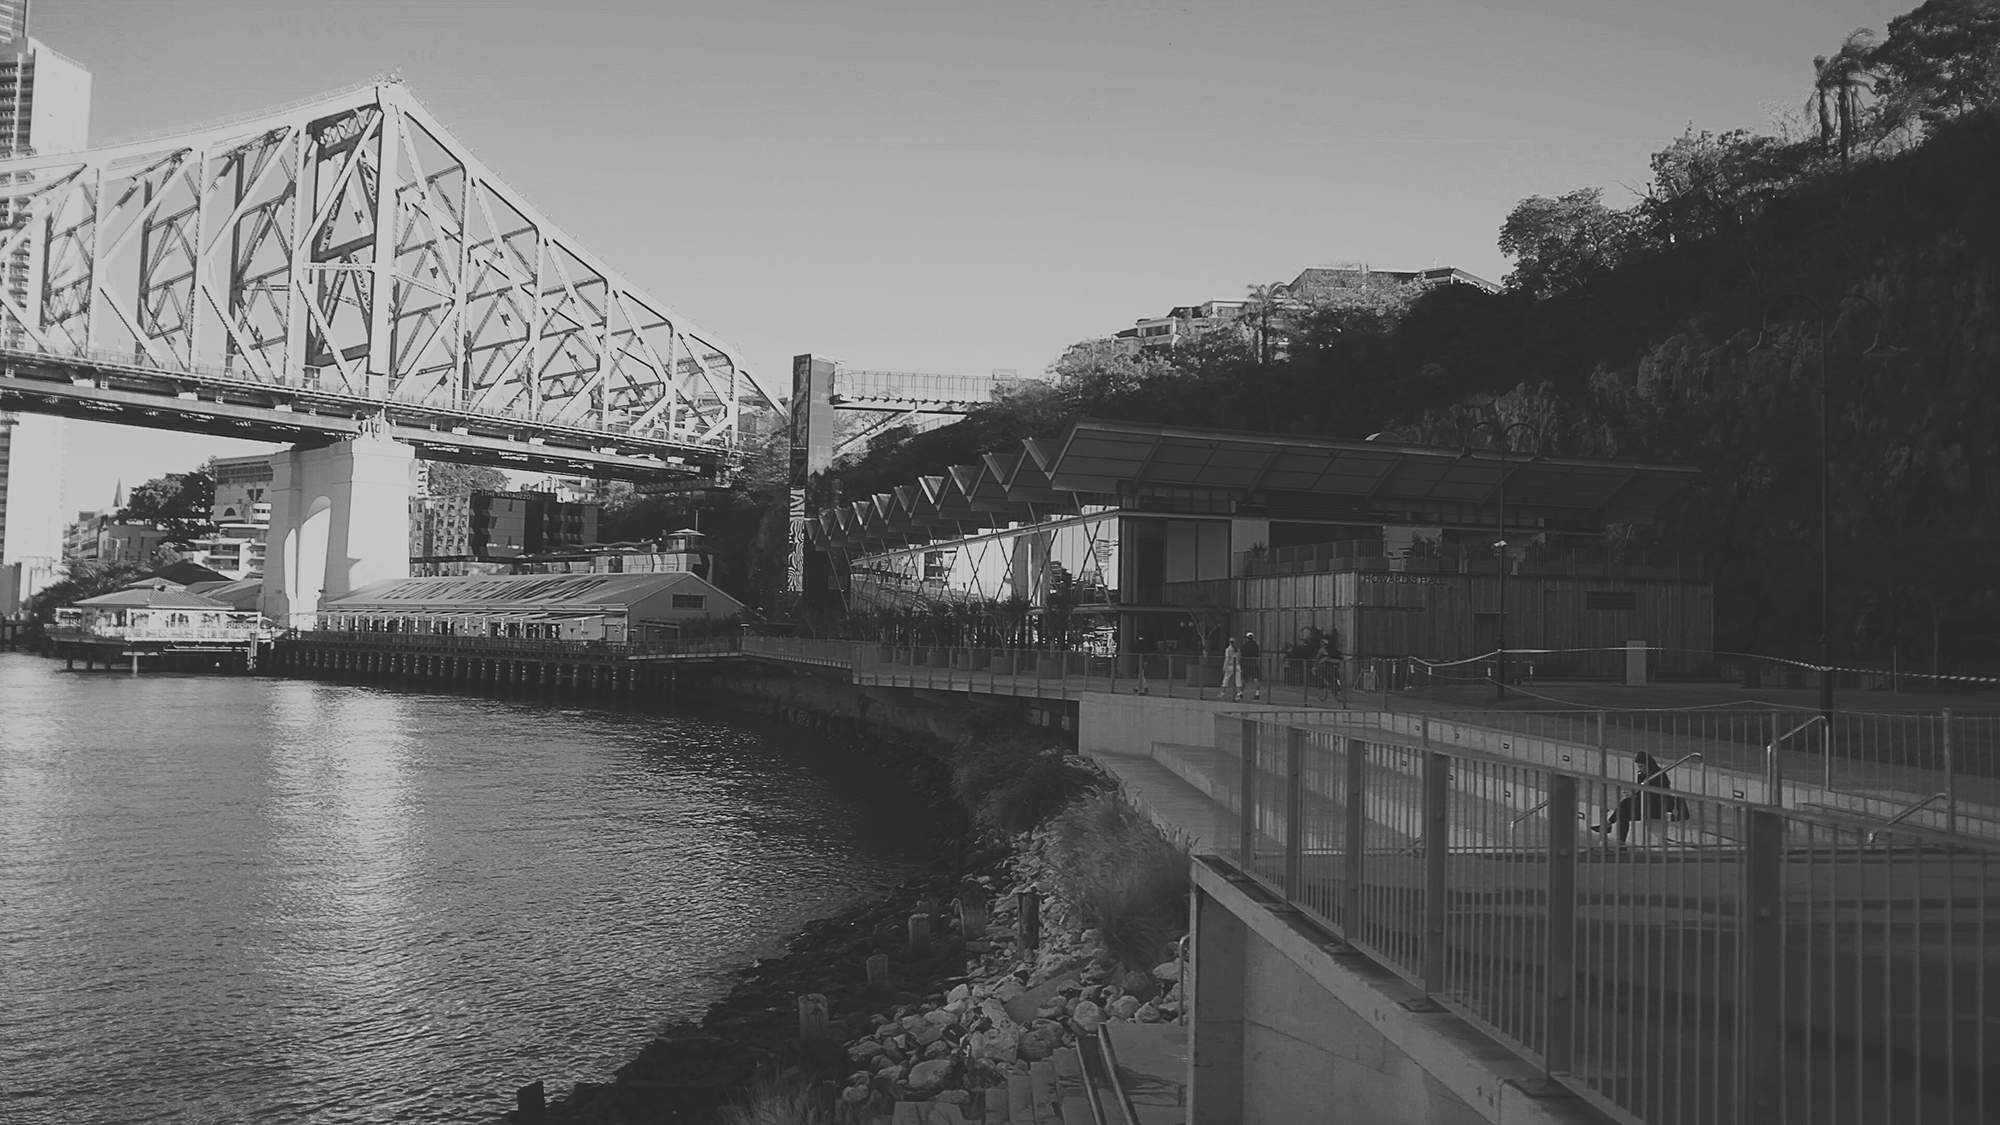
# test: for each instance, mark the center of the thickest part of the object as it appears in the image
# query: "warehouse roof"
(524, 593)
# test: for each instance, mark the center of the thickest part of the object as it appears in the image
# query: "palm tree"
(1839, 80)
(1264, 300)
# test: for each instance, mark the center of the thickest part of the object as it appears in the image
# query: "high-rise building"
(44, 108)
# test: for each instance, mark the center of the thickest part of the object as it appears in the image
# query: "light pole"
(1820, 311)
(1502, 434)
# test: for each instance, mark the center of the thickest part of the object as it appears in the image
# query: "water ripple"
(247, 900)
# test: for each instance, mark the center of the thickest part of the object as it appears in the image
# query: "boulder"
(930, 1075)
(1088, 1016)
(960, 992)
(938, 1050)
(954, 1097)
(1148, 1013)
(1169, 971)
(1038, 1045)
(998, 1044)
(1123, 1008)
(856, 1095)
(866, 1049)
(930, 1034)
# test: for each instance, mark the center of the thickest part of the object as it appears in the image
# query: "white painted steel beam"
(350, 244)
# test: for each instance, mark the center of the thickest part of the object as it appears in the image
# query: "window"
(1610, 599)
(690, 601)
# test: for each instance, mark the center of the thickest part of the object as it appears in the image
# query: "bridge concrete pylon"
(339, 521)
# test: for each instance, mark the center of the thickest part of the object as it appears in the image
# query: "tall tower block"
(44, 108)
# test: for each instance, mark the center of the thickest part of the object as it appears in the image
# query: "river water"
(233, 900)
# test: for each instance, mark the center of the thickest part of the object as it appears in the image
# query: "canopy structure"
(1152, 468)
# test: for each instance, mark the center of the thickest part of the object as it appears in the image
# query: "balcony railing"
(1467, 558)
(1699, 959)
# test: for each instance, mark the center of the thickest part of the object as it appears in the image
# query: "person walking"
(1232, 670)
(1326, 668)
(1653, 800)
(1252, 664)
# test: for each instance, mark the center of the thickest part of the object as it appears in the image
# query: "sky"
(944, 186)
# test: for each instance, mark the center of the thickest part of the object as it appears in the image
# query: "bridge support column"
(339, 521)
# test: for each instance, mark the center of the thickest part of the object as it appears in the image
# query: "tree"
(1265, 302)
(81, 579)
(1704, 183)
(1562, 243)
(1839, 80)
(449, 478)
(179, 503)
(1940, 60)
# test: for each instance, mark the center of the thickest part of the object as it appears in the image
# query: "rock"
(930, 1075)
(860, 1077)
(856, 1095)
(884, 1064)
(895, 1073)
(1168, 971)
(938, 1050)
(890, 1052)
(1051, 1026)
(955, 1097)
(1123, 1008)
(866, 1049)
(937, 1018)
(1038, 1045)
(911, 1023)
(1087, 1015)
(962, 992)
(929, 1035)
(1148, 1013)
(1053, 1010)
(998, 1044)
(1008, 989)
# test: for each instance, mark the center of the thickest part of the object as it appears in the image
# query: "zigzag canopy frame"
(349, 245)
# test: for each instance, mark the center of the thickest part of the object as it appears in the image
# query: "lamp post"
(1819, 313)
(1502, 434)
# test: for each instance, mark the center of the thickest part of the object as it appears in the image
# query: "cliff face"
(1913, 397)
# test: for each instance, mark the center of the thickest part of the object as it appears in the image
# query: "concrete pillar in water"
(339, 521)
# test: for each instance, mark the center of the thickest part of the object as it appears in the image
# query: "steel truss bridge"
(337, 264)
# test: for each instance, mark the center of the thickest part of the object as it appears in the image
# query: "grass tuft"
(1126, 877)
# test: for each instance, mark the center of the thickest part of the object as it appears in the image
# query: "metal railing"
(1870, 764)
(1067, 674)
(1670, 957)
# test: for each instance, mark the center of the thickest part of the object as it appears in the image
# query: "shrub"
(1038, 789)
(780, 1102)
(1126, 877)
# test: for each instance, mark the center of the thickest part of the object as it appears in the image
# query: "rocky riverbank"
(935, 991)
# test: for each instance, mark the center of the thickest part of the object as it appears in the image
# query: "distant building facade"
(1319, 286)
(484, 532)
(242, 514)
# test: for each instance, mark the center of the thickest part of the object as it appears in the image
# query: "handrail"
(1907, 813)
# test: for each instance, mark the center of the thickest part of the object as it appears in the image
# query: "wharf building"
(1128, 538)
(612, 608)
(44, 108)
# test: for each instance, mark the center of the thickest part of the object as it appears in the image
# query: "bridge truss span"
(346, 250)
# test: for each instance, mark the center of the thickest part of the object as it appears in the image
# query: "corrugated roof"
(152, 594)
(495, 593)
(1099, 457)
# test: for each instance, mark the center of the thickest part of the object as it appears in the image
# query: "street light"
(1503, 433)
(1820, 312)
